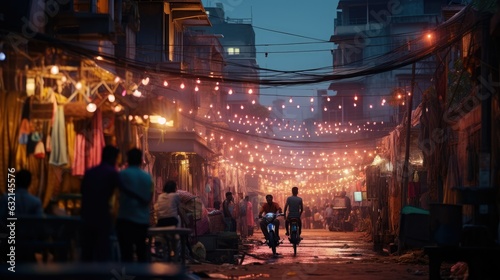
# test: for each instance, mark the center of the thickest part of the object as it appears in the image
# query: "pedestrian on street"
(228, 208)
(133, 215)
(250, 218)
(242, 217)
(307, 217)
(98, 188)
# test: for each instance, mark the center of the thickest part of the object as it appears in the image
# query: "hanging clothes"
(59, 154)
(71, 139)
(94, 147)
(78, 163)
(452, 180)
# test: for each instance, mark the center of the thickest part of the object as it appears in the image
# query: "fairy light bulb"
(290, 100)
(137, 93)
(78, 85)
(54, 70)
(145, 81)
(165, 83)
(230, 92)
(196, 88)
(250, 91)
(91, 107)
(182, 86)
(111, 98)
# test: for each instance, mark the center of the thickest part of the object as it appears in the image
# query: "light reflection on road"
(316, 246)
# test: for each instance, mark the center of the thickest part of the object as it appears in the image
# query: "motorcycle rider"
(269, 207)
(295, 207)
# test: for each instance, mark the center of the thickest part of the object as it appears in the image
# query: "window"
(233, 51)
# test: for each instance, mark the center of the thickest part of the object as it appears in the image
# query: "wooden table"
(85, 271)
(169, 233)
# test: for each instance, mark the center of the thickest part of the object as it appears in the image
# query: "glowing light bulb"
(230, 92)
(137, 93)
(182, 86)
(54, 70)
(78, 85)
(111, 98)
(91, 107)
(165, 84)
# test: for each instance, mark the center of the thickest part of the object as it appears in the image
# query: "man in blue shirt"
(133, 215)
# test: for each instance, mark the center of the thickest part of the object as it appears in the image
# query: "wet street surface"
(317, 245)
(322, 254)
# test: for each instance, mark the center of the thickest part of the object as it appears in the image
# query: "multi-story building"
(237, 37)
(134, 61)
(364, 32)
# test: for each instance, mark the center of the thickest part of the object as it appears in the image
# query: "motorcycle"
(294, 234)
(273, 240)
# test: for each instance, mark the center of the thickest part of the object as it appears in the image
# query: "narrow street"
(321, 255)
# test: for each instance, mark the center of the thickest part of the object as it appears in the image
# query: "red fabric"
(413, 189)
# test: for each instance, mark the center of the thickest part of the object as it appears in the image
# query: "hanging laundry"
(59, 154)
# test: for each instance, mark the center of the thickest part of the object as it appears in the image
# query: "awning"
(177, 141)
(191, 12)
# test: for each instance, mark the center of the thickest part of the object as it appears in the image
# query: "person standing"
(133, 215)
(328, 215)
(228, 210)
(97, 188)
(295, 207)
(242, 217)
(307, 217)
(250, 220)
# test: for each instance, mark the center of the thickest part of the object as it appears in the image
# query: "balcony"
(77, 19)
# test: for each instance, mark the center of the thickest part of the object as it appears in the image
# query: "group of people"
(238, 217)
(114, 202)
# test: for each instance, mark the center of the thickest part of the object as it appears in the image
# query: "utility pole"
(405, 175)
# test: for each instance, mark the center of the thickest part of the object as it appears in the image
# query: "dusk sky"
(295, 35)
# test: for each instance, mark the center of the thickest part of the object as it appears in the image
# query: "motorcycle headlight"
(269, 217)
